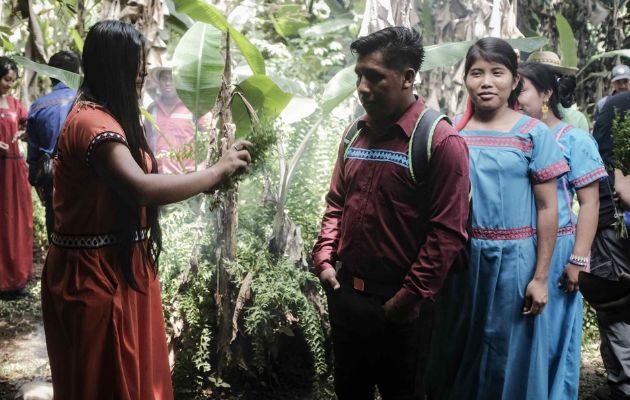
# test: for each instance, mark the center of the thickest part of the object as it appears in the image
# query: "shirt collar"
(406, 122)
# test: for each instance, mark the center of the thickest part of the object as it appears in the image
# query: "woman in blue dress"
(514, 163)
(539, 98)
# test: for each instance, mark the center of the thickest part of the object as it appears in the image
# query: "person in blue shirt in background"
(45, 120)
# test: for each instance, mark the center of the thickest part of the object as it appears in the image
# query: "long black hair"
(113, 52)
(544, 79)
(497, 51)
(6, 65)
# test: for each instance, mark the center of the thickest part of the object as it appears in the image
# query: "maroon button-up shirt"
(382, 225)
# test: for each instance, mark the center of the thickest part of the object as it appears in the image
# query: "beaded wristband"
(579, 261)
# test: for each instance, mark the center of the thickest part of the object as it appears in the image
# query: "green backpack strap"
(350, 137)
(420, 144)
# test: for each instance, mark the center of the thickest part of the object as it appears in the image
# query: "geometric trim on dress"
(551, 171)
(527, 126)
(378, 155)
(516, 142)
(523, 232)
(100, 138)
(95, 241)
(597, 174)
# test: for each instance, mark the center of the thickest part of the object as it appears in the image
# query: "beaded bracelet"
(579, 261)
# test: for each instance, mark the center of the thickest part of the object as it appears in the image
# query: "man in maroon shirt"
(386, 243)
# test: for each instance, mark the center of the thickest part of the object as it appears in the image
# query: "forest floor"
(23, 356)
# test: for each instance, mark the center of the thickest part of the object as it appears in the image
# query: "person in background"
(173, 133)
(16, 208)
(514, 163)
(45, 119)
(540, 98)
(567, 82)
(620, 81)
(385, 245)
(101, 300)
(610, 254)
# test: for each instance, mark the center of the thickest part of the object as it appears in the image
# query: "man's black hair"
(401, 47)
(65, 60)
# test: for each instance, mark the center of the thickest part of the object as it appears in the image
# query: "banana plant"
(71, 79)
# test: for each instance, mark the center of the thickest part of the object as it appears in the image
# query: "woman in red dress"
(16, 209)
(100, 291)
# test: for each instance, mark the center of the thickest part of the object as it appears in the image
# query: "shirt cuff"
(406, 300)
(320, 268)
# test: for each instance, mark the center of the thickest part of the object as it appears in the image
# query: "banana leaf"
(613, 53)
(265, 98)
(201, 11)
(568, 47)
(71, 79)
(198, 68)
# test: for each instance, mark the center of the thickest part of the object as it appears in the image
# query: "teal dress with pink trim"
(506, 353)
(564, 310)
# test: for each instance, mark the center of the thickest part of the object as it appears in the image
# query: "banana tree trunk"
(226, 224)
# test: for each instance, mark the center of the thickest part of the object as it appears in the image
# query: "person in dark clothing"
(386, 243)
(610, 257)
(45, 119)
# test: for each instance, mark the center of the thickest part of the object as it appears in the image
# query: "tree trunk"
(226, 223)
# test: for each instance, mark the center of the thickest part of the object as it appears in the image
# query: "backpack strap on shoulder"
(420, 144)
(350, 137)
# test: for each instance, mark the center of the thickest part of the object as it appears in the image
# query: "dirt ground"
(23, 355)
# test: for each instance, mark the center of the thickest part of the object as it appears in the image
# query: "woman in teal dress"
(514, 163)
(539, 98)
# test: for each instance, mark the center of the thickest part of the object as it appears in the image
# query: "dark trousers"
(610, 257)
(370, 351)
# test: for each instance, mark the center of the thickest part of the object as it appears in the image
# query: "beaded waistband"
(515, 233)
(94, 241)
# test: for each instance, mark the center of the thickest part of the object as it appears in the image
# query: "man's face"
(381, 89)
(621, 85)
(167, 88)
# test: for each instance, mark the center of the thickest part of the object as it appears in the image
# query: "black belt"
(370, 287)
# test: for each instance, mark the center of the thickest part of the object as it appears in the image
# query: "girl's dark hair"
(543, 79)
(6, 65)
(112, 53)
(497, 51)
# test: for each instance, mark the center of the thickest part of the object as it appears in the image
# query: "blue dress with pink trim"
(506, 353)
(564, 310)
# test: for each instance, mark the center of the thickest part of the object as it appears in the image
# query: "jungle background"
(245, 317)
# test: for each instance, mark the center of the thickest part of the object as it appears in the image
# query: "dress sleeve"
(584, 159)
(91, 127)
(547, 161)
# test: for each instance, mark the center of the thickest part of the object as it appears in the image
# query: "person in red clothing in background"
(171, 139)
(386, 245)
(16, 207)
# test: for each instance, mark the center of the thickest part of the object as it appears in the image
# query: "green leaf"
(78, 40)
(448, 54)
(71, 79)
(568, 47)
(326, 27)
(340, 87)
(288, 19)
(198, 68)
(613, 53)
(201, 11)
(265, 97)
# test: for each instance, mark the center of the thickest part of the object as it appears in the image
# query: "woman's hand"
(236, 157)
(535, 296)
(569, 278)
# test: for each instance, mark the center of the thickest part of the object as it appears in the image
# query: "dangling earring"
(544, 109)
